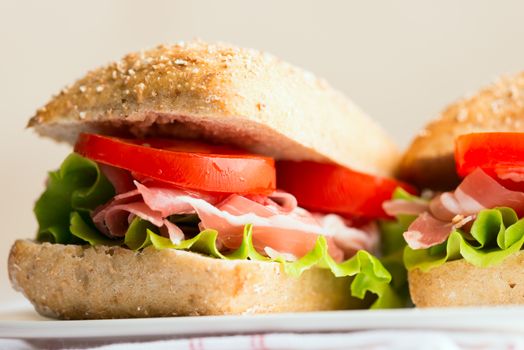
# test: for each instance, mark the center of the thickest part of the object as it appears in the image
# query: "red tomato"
(187, 164)
(500, 154)
(332, 188)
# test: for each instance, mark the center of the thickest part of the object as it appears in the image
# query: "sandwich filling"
(279, 224)
(191, 196)
(480, 221)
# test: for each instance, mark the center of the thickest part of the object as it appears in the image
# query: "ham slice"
(477, 191)
(278, 223)
(121, 179)
(401, 206)
(488, 193)
(272, 226)
(427, 231)
(451, 210)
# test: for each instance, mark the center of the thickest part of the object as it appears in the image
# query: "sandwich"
(464, 238)
(207, 179)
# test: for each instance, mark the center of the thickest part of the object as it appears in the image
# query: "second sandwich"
(464, 242)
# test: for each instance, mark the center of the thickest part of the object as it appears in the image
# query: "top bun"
(429, 161)
(222, 94)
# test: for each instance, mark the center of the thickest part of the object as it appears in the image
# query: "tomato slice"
(336, 189)
(188, 164)
(500, 154)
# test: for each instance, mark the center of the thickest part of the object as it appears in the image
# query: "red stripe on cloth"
(252, 342)
(258, 342)
(263, 342)
(191, 345)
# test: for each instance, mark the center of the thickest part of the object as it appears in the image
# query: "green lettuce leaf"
(369, 275)
(496, 234)
(80, 228)
(393, 244)
(77, 187)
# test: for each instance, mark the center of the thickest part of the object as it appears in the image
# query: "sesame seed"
(82, 115)
(479, 117)
(462, 115)
(99, 88)
(180, 62)
(82, 88)
(131, 72)
(309, 77)
(496, 106)
(212, 98)
(120, 66)
(514, 91)
(423, 133)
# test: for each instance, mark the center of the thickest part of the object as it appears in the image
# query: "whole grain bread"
(429, 162)
(459, 283)
(84, 282)
(223, 94)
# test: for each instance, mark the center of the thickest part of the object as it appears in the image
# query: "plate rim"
(485, 318)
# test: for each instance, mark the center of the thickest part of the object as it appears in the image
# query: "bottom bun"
(459, 283)
(83, 282)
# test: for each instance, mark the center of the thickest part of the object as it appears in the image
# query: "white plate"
(19, 320)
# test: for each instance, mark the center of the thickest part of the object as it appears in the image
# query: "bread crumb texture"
(458, 283)
(82, 282)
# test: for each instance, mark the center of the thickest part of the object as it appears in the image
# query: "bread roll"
(223, 94)
(459, 283)
(83, 282)
(429, 161)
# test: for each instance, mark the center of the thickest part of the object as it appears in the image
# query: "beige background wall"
(401, 61)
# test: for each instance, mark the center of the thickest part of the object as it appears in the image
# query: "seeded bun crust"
(82, 282)
(429, 162)
(223, 94)
(459, 283)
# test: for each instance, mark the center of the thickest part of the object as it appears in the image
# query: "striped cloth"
(366, 340)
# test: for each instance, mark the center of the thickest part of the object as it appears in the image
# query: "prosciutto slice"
(488, 193)
(278, 223)
(451, 210)
(427, 231)
(121, 179)
(401, 206)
